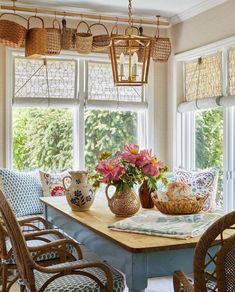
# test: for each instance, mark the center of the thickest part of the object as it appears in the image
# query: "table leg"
(136, 272)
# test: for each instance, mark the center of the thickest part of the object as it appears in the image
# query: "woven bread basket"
(180, 206)
(12, 34)
(36, 40)
(102, 41)
(68, 37)
(84, 40)
(54, 39)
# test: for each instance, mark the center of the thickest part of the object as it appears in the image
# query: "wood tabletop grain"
(99, 217)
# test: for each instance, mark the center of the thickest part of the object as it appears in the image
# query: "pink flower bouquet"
(129, 167)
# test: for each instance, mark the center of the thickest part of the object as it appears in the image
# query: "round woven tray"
(179, 207)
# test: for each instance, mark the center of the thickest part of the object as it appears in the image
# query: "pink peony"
(149, 163)
(131, 153)
(111, 169)
(151, 169)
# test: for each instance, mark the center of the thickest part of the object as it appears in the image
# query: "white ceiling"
(176, 10)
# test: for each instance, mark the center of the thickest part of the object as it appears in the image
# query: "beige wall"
(208, 27)
(159, 95)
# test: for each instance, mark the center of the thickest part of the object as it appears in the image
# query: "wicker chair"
(80, 275)
(214, 260)
(34, 236)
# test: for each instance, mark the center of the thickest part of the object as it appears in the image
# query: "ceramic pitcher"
(124, 202)
(79, 195)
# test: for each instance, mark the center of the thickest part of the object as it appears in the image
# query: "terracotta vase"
(79, 195)
(145, 196)
(123, 203)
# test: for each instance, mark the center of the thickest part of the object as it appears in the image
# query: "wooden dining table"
(138, 256)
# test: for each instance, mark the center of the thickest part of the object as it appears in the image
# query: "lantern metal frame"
(129, 45)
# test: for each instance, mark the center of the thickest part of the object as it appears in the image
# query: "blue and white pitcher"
(80, 194)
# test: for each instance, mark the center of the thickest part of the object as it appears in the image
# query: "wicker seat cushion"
(78, 283)
(51, 255)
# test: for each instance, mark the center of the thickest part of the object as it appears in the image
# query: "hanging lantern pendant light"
(127, 69)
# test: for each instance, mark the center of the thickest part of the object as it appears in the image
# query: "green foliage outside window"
(209, 143)
(107, 131)
(43, 138)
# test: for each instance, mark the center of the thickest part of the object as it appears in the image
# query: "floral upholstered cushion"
(79, 283)
(52, 183)
(202, 183)
(23, 190)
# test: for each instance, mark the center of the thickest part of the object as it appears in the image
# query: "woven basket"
(12, 34)
(84, 40)
(54, 39)
(179, 207)
(100, 42)
(122, 45)
(36, 40)
(68, 37)
(161, 49)
(141, 50)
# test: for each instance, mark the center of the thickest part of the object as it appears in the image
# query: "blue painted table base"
(137, 267)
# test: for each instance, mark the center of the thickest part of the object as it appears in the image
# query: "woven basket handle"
(101, 24)
(87, 25)
(56, 21)
(37, 18)
(133, 27)
(115, 28)
(14, 15)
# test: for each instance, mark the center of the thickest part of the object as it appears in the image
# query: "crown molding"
(200, 8)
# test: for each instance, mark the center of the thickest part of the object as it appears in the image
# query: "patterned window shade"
(34, 79)
(101, 86)
(232, 72)
(203, 79)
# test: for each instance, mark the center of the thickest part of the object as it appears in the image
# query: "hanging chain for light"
(129, 29)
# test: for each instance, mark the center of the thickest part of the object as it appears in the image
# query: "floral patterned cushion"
(202, 183)
(79, 283)
(52, 183)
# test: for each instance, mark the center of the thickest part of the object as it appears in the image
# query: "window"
(209, 144)
(207, 114)
(67, 111)
(42, 138)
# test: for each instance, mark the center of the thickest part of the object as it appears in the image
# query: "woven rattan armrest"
(70, 268)
(28, 222)
(181, 282)
(34, 235)
(57, 244)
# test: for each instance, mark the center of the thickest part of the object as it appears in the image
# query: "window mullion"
(79, 124)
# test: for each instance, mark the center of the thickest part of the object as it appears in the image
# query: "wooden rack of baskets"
(40, 41)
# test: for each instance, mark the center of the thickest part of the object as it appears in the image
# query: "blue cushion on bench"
(22, 190)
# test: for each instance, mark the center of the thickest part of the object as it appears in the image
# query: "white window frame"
(144, 117)
(183, 154)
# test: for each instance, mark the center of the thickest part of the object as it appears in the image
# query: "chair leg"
(4, 277)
